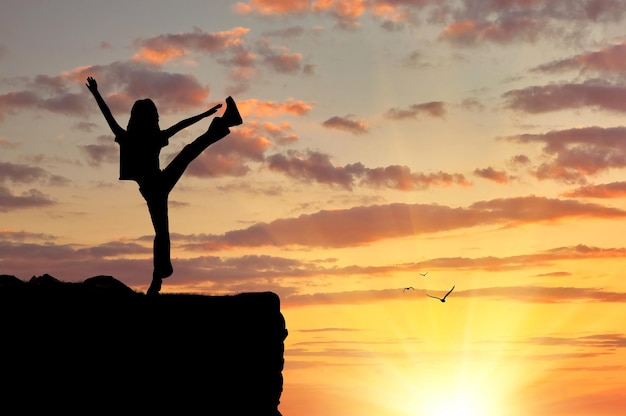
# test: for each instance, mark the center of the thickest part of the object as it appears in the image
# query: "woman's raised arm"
(189, 121)
(106, 112)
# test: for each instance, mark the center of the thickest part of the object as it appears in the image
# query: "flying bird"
(423, 274)
(408, 288)
(443, 299)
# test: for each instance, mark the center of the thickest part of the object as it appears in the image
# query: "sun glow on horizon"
(449, 366)
(462, 402)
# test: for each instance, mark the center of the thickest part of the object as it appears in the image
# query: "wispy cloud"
(66, 103)
(28, 199)
(433, 109)
(574, 154)
(25, 174)
(130, 261)
(261, 108)
(364, 225)
(477, 22)
(121, 83)
(527, 294)
(603, 341)
(230, 157)
(492, 174)
(105, 151)
(162, 48)
(611, 59)
(346, 123)
(506, 29)
(465, 23)
(318, 167)
(608, 190)
(21, 173)
(554, 97)
(544, 258)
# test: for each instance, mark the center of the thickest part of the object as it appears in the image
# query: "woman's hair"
(144, 118)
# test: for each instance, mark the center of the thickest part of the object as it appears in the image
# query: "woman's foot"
(231, 116)
(155, 287)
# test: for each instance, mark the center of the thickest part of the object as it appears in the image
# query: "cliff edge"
(99, 347)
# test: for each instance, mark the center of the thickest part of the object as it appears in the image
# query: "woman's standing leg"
(156, 198)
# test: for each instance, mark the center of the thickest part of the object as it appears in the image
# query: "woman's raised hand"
(92, 84)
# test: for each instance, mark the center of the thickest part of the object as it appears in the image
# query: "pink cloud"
(28, 199)
(574, 154)
(491, 174)
(346, 124)
(19, 173)
(229, 157)
(163, 48)
(609, 59)
(281, 133)
(521, 210)
(230, 49)
(12, 235)
(364, 225)
(315, 167)
(258, 108)
(120, 82)
(318, 167)
(345, 12)
(270, 7)
(402, 179)
(546, 98)
(543, 259)
(278, 59)
(527, 294)
(130, 262)
(503, 30)
(608, 190)
(287, 33)
(100, 153)
(284, 62)
(508, 21)
(433, 108)
(542, 294)
(67, 103)
(602, 341)
(247, 143)
(395, 13)
(468, 23)
(520, 160)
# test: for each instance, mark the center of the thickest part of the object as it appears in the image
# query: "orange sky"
(481, 142)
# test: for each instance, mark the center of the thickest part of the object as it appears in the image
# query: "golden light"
(456, 403)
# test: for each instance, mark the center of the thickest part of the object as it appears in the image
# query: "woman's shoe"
(231, 116)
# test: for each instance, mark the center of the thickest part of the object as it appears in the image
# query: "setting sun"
(455, 404)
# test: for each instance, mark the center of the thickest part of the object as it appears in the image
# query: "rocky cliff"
(99, 347)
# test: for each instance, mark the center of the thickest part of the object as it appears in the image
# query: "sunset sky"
(479, 142)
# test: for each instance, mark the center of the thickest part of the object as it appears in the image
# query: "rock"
(95, 347)
(9, 280)
(108, 283)
(44, 280)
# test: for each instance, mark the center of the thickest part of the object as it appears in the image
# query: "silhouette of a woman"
(140, 146)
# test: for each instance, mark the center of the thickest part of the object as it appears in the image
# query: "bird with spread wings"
(443, 299)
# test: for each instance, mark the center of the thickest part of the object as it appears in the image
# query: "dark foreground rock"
(98, 347)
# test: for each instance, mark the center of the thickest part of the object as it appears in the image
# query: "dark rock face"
(98, 347)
